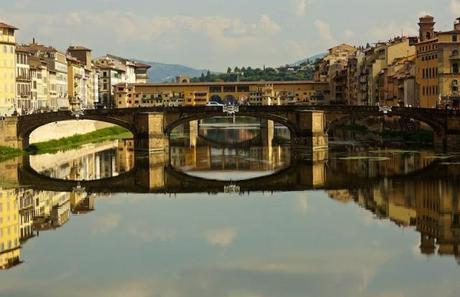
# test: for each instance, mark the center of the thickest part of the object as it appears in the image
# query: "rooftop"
(6, 26)
(78, 48)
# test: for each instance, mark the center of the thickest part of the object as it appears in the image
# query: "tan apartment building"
(23, 80)
(7, 69)
(90, 93)
(200, 94)
(333, 69)
(438, 65)
(48, 68)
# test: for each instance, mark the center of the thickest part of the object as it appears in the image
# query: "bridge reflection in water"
(410, 189)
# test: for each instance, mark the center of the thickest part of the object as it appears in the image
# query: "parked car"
(214, 103)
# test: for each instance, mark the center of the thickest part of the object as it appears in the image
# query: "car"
(214, 103)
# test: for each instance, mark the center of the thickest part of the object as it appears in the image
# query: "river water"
(246, 219)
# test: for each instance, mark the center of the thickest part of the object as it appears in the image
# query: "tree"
(229, 70)
(202, 77)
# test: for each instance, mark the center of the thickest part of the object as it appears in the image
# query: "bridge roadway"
(147, 177)
(298, 119)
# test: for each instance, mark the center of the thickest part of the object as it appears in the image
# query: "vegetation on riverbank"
(76, 141)
(8, 153)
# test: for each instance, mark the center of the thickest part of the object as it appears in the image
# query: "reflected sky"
(282, 245)
(395, 236)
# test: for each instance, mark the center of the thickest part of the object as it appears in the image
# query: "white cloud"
(423, 13)
(223, 237)
(105, 224)
(148, 234)
(302, 204)
(454, 7)
(300, 7)
(349, 33)
(387, 31)
(324, 29)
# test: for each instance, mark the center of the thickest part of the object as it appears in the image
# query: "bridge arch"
(230, 100)
(293, 129)
(216, 98)
(333, 120)
(28, 124)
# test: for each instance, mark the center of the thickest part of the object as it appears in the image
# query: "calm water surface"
(236, 220)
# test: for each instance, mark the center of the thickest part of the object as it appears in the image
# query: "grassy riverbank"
(76, 141)
(8, 153)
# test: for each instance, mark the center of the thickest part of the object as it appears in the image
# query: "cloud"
(324, 29)
(387, 31)
(302, 204)
(454, 7)
(300, 7)
(148, 234)
(105, 224)
(223, 237)
(349, 33)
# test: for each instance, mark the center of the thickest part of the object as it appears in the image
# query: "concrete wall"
(65, 129)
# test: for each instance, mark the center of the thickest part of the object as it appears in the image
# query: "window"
(455, 68)
(455, 53)
(454, 38)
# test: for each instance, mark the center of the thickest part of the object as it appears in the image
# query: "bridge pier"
(9, 134)
(310, 137)
(150, 135)
(267, 132)
(446, 142)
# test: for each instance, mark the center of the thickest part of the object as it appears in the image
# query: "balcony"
(24, 78)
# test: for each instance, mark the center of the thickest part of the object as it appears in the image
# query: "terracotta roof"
(142, 65)
(78, 48)
(6, 26)
(36, 47)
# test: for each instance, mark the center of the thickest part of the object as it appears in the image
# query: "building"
(200, 94)
(76, 83)
(10, 249)
(23, 80)
(90, 98)
(48, 68)
(438, 63)
(39, 87)
(114, 70)
(8, 103)
(333, 69)
(427, 63)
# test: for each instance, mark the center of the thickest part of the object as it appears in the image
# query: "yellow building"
(7, 69)
(200, 94)
(438, 65)
(10, 248)
(76, 82)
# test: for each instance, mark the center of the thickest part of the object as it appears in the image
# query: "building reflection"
(431, 206)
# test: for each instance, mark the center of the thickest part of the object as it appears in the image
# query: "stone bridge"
(154, 174)
(308, 124)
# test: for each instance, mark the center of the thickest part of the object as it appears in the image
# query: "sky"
(214, 34)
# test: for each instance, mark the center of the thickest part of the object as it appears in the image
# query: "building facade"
(8, 103)
(23, 80)
(200, 94)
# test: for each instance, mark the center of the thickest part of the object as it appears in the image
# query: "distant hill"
(311, 59)
(161, 72)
